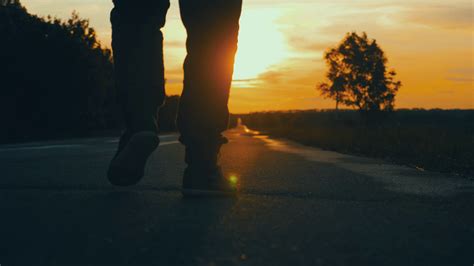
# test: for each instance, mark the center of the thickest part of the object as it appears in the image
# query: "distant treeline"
(440, 140)
(56, 79)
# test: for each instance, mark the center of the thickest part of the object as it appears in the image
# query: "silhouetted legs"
(212, 27)
(137, 40)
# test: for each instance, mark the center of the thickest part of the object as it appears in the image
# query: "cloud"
(460, 79)
(271, 76)
(305, 44)
(461, 75)
(450, 16)
(175, 44)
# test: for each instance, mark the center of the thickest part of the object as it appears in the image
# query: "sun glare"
(261, 44)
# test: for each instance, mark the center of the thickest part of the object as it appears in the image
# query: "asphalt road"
(299, 206)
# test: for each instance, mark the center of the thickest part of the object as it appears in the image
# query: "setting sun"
(282, 42)
(261, 44)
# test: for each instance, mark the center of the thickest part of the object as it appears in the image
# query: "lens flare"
(234, 180)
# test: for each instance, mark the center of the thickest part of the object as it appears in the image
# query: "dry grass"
(434, 140)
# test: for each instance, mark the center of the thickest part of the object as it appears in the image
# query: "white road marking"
(67, 146)
(161, 137)
(44, 147)
(166, 143)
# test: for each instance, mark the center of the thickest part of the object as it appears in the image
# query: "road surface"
(299, 206)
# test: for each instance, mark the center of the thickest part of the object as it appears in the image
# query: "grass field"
(438, 140)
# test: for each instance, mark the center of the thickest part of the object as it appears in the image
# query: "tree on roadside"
(56, 79)
(358, 76)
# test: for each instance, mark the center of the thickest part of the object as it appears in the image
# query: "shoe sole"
(208, 193)
(128, 168)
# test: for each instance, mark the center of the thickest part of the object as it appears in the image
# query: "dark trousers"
(212, 27)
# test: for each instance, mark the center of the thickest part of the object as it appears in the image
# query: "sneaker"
(208, 183)
(128, 166)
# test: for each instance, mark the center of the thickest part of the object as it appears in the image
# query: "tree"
(55, 77)
(358, 75)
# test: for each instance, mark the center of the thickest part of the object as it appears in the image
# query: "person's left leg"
(137, 43)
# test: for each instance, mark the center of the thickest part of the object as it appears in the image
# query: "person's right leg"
(212, 27)
(137, 43)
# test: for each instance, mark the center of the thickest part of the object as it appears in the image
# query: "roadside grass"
(435, 140)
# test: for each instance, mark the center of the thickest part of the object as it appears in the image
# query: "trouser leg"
(137, 43)
(212, 27)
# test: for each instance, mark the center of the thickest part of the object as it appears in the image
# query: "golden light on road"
(261, 44)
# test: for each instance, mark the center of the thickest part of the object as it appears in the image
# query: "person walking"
(212, 34)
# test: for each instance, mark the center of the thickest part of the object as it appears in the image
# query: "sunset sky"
(281, 45)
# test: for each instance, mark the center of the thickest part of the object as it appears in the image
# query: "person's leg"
(137, 43)
(212, 27)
